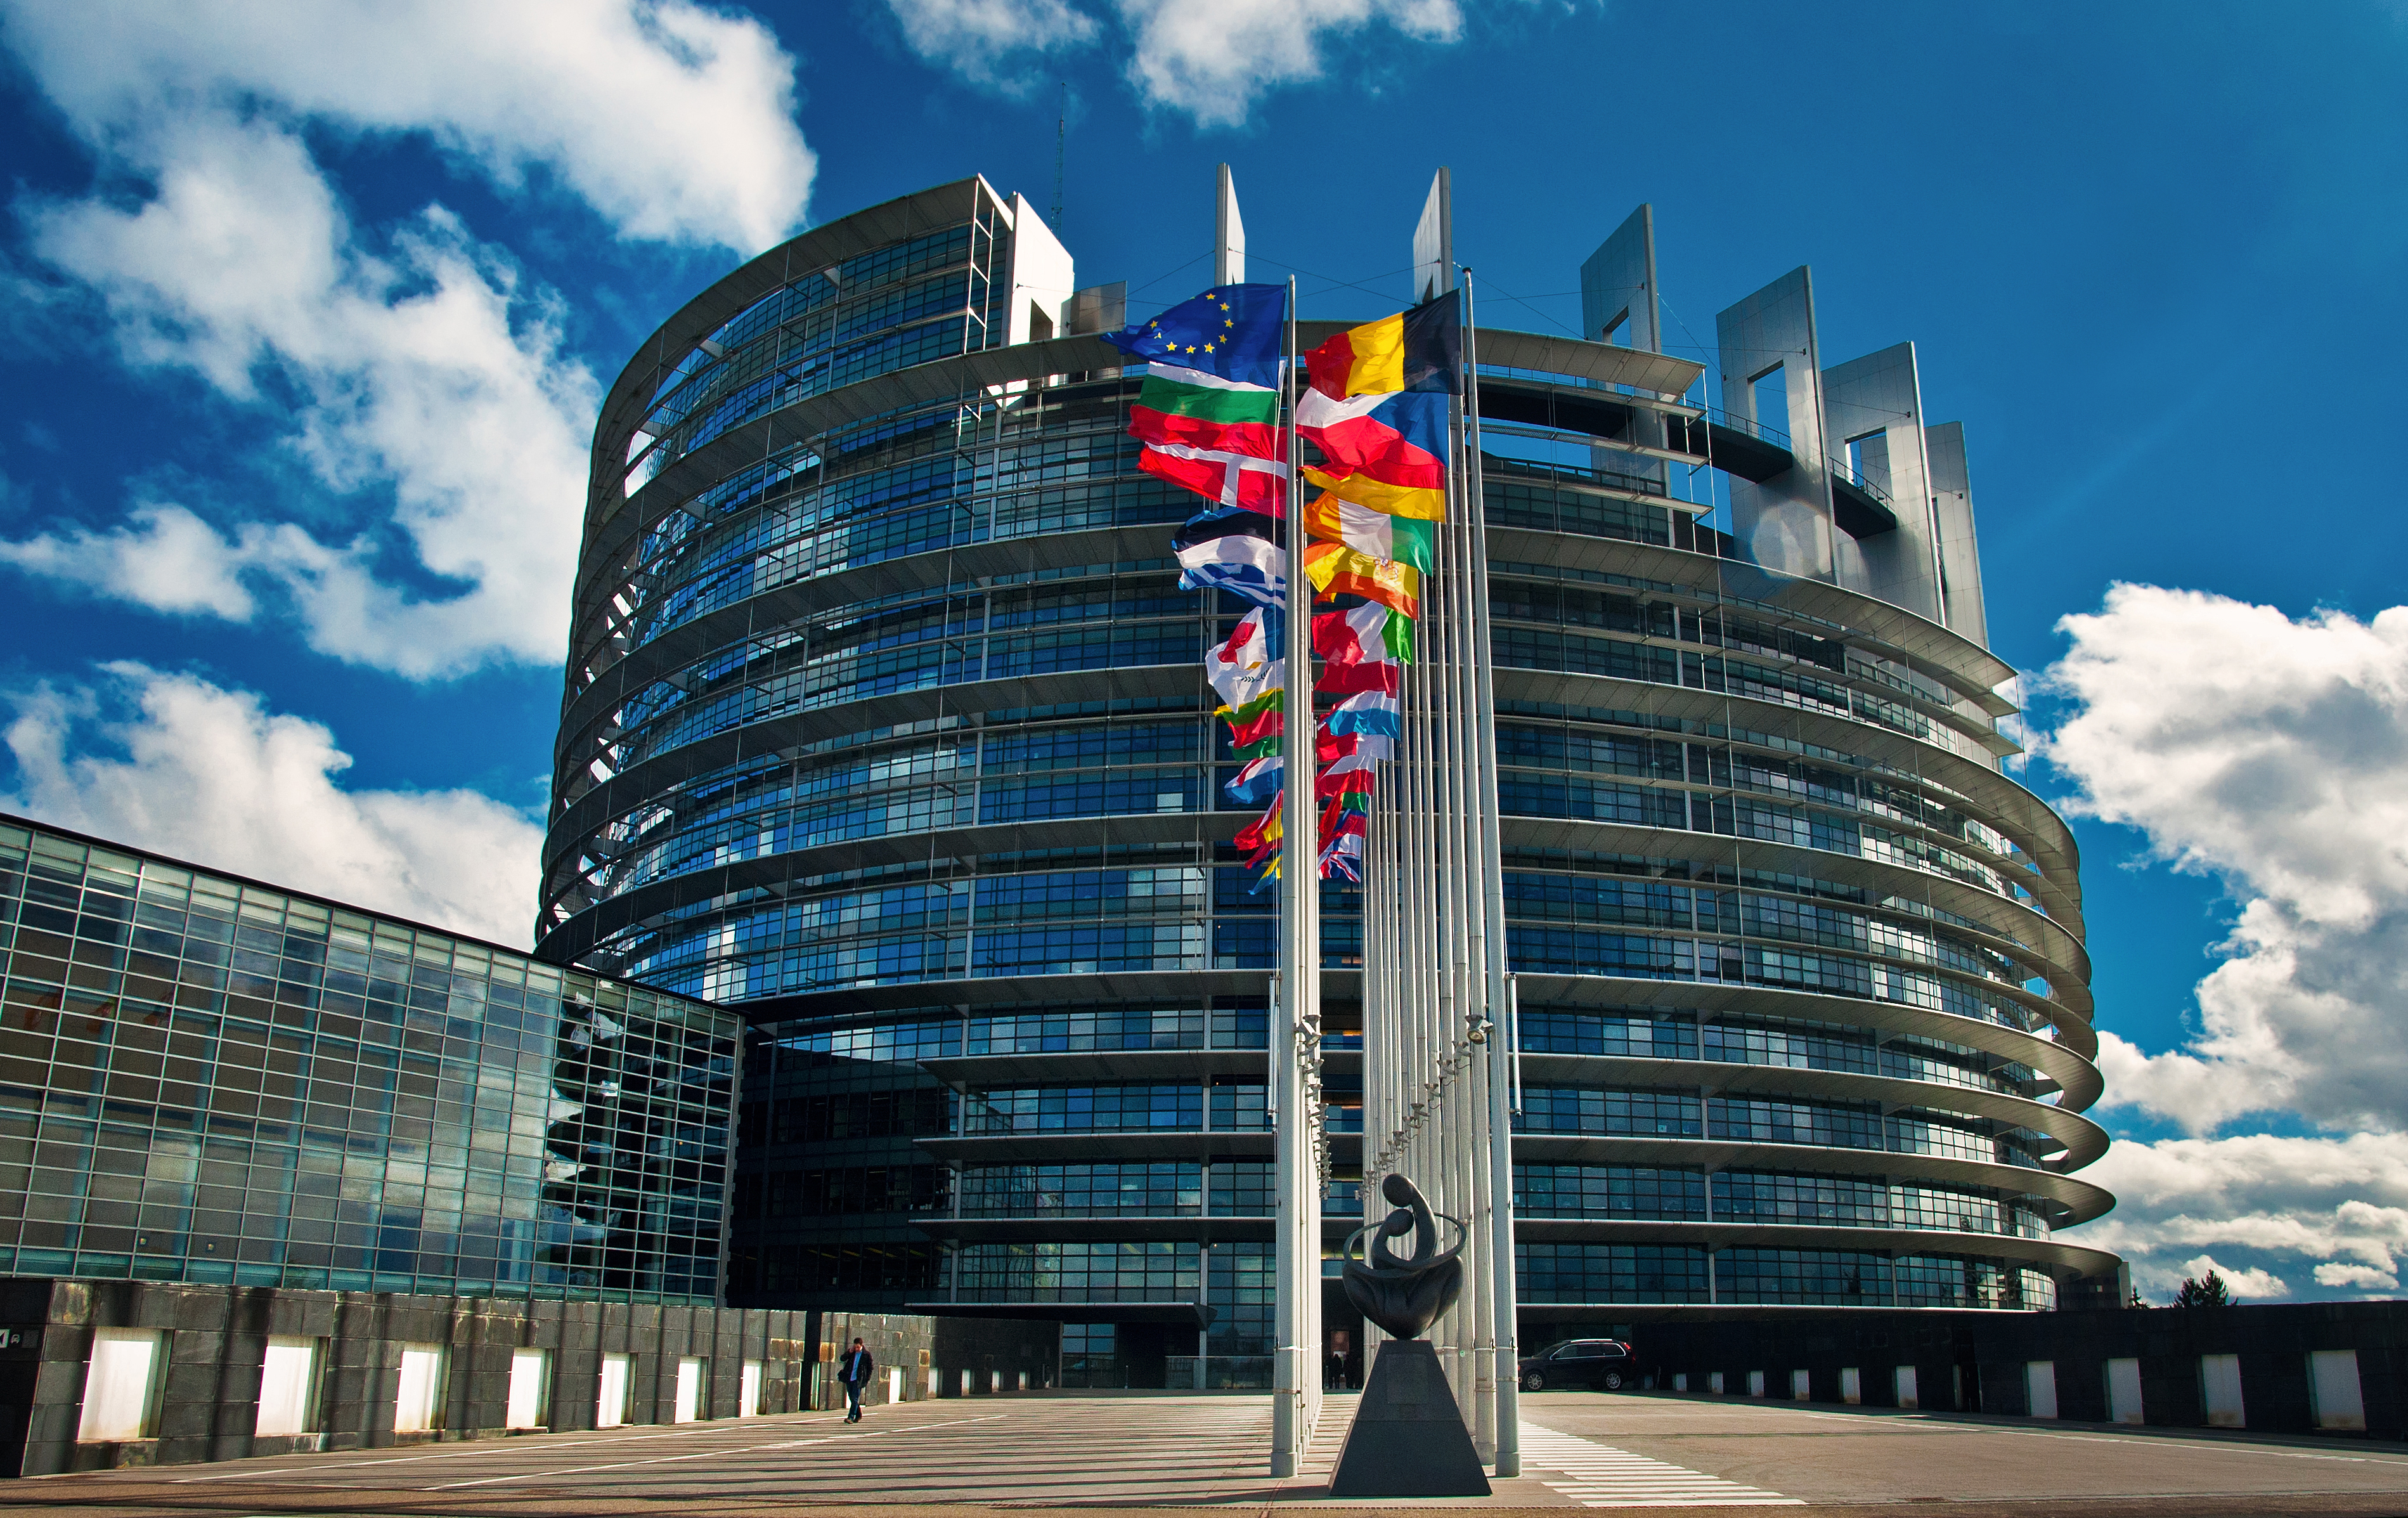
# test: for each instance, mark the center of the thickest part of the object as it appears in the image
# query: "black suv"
(1605, 1365)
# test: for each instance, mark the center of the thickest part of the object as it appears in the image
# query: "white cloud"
(211, 774)
(425, 372)
(2272, 752)
(993, 42)
(2274, 1203)
(169, 560)
(2242, 1282)
(673, 119)
(1211, 59)
(415, 377)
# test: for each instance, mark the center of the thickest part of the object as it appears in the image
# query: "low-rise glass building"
(210, 1081)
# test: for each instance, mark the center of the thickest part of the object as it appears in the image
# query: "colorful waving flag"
(1208, 409)
(1403, 539)
(1372, 713)
(1208, 414)
(1369, 634)
(1335, 569)
(1420, 350)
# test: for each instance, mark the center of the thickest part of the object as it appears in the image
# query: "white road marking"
(705, 1455)
(1600, 1476)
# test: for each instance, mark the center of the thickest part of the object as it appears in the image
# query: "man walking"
(854, 1372)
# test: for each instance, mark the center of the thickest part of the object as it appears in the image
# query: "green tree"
(2210, 1291)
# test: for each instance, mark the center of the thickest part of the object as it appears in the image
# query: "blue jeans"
(853, 1390)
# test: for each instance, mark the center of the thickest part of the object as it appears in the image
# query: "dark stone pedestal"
(1408, 1439)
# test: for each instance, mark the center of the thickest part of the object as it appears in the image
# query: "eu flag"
(1233, 331)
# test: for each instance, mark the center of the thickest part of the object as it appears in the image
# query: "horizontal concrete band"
(1185, 1228)
(2081, 1200)
(2054, 931)
(2084, 1140)
(2007, 806)
(770, 873)
(2078, 1079)
(614, 519)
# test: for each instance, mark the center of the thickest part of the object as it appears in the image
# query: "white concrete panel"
(1043, 278)
(2040, 1388)
(1801, 1387)
(2219, 1391)
(1755, 1383)
(1852, 1385)
(688, 1406)
(610, 1405)
(748, 1390)
(120, 1384)
(530, 1396)
(420, 1393)
(1902, 1383)
(2124, 1392)
(1229, 232)
(2335, 1393)
(288, 1387)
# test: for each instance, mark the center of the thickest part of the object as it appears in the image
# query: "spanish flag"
(1335, 569)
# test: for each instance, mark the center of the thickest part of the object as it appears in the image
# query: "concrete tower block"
(1617, 288)
(1618, 285)
(1960, 553)
(1872, 426)
(1769, 355)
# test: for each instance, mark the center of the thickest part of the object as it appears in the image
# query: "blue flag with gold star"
(1233, 331)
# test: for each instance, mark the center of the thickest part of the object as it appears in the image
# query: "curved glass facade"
(885, 722)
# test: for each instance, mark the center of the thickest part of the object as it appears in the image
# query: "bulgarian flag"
(1257, 721)
(1208, 409)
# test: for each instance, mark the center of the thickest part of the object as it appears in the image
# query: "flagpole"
(1502, 1038)
(1298, 985)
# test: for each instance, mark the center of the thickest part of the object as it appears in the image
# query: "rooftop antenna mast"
(1061, 135)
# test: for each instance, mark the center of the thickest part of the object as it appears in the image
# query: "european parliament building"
(885, 727)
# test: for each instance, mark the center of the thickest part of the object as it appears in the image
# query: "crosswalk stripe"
(1600, 1476)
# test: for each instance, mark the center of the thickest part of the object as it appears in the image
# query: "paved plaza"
(1103, 1452)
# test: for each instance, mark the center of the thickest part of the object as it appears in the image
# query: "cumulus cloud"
(424, 372)
(172, 763)
(1211, 59)
(992, 42)
(168, 560)
(675, 120)
(2277, 1205)
(415, 375)
(2272, 752)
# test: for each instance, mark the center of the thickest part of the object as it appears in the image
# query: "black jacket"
(855, 1365)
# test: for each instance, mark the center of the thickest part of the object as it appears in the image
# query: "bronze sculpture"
(1404, 1296)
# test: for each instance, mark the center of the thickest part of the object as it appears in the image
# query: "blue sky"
(309, 316)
